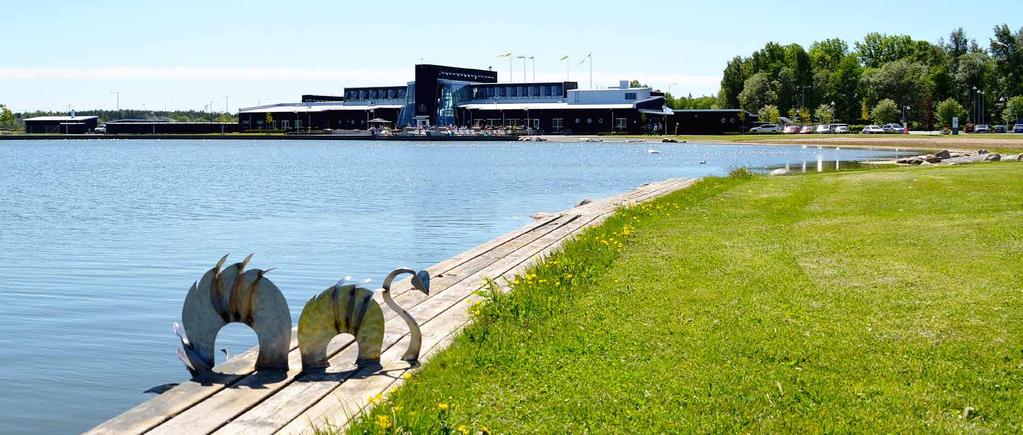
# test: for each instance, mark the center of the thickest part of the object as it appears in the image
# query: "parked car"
(100, 130)
(873, 129)
(807, 129)
(766, 128)
(893, 128)
(1018, 128)
(982, 128)
(1000, 129)
(792, 129)
(840, 128)
(823, 129)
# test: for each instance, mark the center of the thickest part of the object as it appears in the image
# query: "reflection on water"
(99, 240)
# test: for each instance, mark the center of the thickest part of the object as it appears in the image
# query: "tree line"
(881, 79)
(10, 121)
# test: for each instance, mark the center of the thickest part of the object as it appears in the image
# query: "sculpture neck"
(396, 273)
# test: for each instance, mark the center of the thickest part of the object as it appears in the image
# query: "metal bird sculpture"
(421, 282)
(234, 295)
(350, 309)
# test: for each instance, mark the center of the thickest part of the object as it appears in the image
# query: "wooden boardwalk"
(243, 401)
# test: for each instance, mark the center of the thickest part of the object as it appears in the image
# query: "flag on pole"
(588, 57)
(506, 55)
(564, 58)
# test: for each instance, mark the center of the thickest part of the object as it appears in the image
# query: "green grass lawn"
(872, 301)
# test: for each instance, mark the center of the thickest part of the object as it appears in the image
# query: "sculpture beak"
(421, 281)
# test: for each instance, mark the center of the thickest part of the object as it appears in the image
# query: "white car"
(766, 128)
(823, 129)
(840, 128)
(873, 129)
(892, 128)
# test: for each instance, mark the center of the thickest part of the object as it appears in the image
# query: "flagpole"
(590, 56)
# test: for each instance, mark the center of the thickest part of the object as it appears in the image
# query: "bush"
(885, 112)
(947, 110)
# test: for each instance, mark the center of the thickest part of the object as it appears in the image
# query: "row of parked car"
(804, 129)
(984, 128)
(870, 129)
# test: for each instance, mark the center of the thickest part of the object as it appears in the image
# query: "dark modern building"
(453, 96)
(712, 121)
(61, 124)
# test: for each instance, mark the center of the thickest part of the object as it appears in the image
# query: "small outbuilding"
(61, 124)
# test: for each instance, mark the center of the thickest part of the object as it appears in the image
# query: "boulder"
(584, 202)
(931, 158)
(780, 172)
(982, 151)
(927, 164)
(1019, 157)
(993, 157)
(943, 154)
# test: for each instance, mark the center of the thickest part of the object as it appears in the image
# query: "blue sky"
(185, 54)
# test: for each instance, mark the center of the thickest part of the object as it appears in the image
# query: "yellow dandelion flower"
(485, 430)
(373, 400)
(463, 430)
(406, 376)
(442, 406)
(383, 422)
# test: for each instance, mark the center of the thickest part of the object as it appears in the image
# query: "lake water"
(100, 240)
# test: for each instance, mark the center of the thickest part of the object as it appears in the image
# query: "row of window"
(374, 94)
(523, 91)
(557, 124)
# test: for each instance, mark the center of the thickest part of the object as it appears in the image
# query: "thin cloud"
(198, 73)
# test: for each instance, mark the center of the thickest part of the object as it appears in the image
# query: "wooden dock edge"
(244, 401)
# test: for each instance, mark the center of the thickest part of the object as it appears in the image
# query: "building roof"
(547, 106)
(61, 118)
(313, 108)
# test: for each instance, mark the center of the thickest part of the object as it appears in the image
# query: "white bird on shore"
(652, 151)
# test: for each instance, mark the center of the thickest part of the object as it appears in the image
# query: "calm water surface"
(100, 240)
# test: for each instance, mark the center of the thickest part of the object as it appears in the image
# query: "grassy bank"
(999, 143)
(880, 301)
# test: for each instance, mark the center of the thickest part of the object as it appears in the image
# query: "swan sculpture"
(350, 309)
(228, 296)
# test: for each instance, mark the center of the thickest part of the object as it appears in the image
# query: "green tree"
(1007, 50)
(864, 112)
(1013, 111)
(732, 83)
(804, 116)
(885, 111)
(769, 114)
(757, 92)
(825, 114)
(948, 109)
(905, 82)
(7, 120)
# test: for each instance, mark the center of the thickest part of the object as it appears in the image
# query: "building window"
(285, 124)
(557, 124)
(621, 123)
(502, 91)
(536, 123)
(534, 91)
(547, 90)
(630, 95)
(513, 91)
(577, 120)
